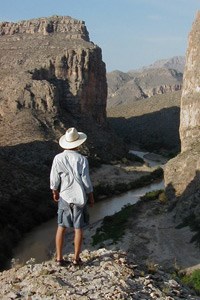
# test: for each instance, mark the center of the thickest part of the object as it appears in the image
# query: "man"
(70, 182)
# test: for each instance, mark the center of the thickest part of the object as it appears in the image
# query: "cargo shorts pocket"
(60, 216)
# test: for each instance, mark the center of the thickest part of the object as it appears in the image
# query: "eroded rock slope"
(182, 174)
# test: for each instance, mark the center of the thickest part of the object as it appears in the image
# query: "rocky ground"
(105, 274)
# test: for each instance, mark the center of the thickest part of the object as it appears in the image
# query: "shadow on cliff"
(187, 206)
(25, 198)
(151, 131)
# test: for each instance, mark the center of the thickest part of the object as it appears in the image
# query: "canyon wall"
(182, 174)
(71, 27)
(49, 66)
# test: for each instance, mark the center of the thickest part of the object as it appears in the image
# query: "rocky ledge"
(55, 24)
(105, 274)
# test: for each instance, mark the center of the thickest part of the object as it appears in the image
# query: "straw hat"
(72, 139)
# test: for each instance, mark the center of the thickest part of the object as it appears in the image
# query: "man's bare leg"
(59, 242)
(78, 238)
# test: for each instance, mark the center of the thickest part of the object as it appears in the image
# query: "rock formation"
(182, 174)
(176, 63)
(48, 65)
(71, 27)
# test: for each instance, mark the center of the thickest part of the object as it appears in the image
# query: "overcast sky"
(131, 33)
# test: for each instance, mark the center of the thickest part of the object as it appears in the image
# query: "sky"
(131, 33)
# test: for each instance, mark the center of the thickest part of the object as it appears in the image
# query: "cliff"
(182, 176)
(72, 28)
(49, 65)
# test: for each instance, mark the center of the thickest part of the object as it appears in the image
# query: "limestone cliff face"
(190, 106)
(49, 66)
(182, 174)
(73, 28)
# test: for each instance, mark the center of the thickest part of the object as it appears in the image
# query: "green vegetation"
(152, 267)
(153, 195)
(113, 226)
(132, 157)
(193, 281)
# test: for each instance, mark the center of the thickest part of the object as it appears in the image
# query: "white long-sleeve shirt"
(60, 176)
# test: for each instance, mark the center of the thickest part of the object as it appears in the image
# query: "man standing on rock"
(71, 185)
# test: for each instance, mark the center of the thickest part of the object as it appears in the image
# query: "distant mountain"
(163, 76)
(177, 63)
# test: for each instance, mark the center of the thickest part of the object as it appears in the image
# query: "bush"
(132, 157)
(153, 195)
(193, 281)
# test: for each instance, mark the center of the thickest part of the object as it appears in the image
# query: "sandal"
(62, 262)
(77, 262)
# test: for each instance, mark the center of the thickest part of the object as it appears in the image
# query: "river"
(37, 242)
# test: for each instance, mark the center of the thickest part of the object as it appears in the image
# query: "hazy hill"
(164, 76)
(177, 63)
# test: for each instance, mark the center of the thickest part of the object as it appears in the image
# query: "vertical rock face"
(182, 174)
(73, 28)
(50, 68)
(190, 102)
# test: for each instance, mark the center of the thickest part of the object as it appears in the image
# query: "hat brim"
(70, 145)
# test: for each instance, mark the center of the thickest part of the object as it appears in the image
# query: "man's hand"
(91, 199)
(56, 195)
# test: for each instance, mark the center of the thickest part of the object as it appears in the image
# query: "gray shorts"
(70, 215)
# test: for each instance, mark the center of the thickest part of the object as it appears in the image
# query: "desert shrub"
(132, 157)
(162, 197)
(153, 195)
(103, 189)
(193, 280)
(147, 179)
